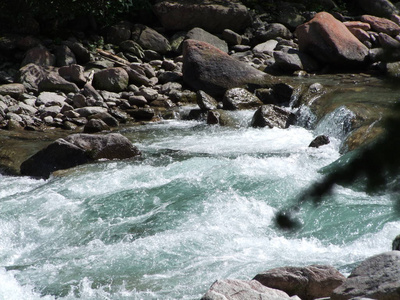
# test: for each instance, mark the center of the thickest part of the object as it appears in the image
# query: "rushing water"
(198, 206)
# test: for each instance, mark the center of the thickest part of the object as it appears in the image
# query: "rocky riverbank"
(130, 73)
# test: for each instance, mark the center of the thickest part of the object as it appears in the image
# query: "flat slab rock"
(231, 289)
(77, 149)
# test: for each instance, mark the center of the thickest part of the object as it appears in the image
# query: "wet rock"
(112, 79)
(148, 38)
(396, 243)
(239, 98)
(54, 82)
(75, 150)
(272, 116)
(95, 125)
(205, 101)
(393, 69)
(201, 35)
(232, 289)
(329, 41)
(39, 56)
(380, 8)
(142, 114)
(213, 117)
(319, 141)
(183, 15)
(381, 25)
(73, 73)
(209, 69)
(376, 277)
(308, 283)
(15, 90)
(64, 56)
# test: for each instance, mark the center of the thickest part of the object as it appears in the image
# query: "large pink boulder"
(381, 25)
(329, 41)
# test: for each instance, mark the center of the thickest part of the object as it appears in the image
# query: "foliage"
(378, 164)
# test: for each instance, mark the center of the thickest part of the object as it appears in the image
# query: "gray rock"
(239, 98)
(142, 114)
(201, 35)
(213, 117)
(376, 277)
(380, 8)
(39, 56)
(169, 87)
(133, 48)
(150, 39)
(272, 116)
(113, 80)
(177, 15)
(95, 125)
(64, 56)
(75, 150)
(90, 92)
(280, 94)
(54, 82)
(387, 42)
(148, 93)
(231, 289)
(51, 111)
(396, 243)
(231, 37)
(209, 69)
(30, 76)
(106, 118)
(50, 98)
(137, 100)
(73, 73)
(90, 110)
(79, 100)
(205, 101)
(308, 283)
(119, 32)
(290, 60)
(82, 54)
(138, 76)
(274, 31)
(266, 47)
(169, 76)
(15, 90)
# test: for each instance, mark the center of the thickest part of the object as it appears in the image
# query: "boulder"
(272, 116)
(311, 282)
(239, 98)
(150, 39)
(201, 35)
(211, 15)
(39, 56)
(290, 60)
(54, 82)
(132, 47)
(50, 99)
(329, 41)
(118, 33)
(280, 94)
(232, 289)
(207, 68)
(82, 54)
(376, 277)
(30, 76)
(15, 90)
(387, 42)
(95, 125)
(273, 31)
(64, 56)
(380, 8)
(381, 25)
(75, 150)
(267, 47)
(205, 101)
(112, 79)
(213, 117)
(396, 243)
(231, 37)
(73, 73)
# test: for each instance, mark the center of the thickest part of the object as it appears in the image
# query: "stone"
(201, 35)
(319, 141)
(95, 125)
(90, 110)
(75, 150)
(311, 282)
(90, 92)
(357, 24)
(267, 47)
(132, 47)
(360, 34)
(376, 277)
(381, 25)
(239, 98)
(329, 41)
(233, 289)
(15, 90)
(291, 60)
(273, 31)
(213, 117)
(137, 100)
(396, 243)
(112, 79)
(106, 118)
(148, 93)
(176, 15)
(205, 101)
(82, 54)
(64, 56)
(39, 56)
(169, 76)
(50, 99)
(207, 68)
(73, 73)
(387, 42)
(150, 39)
(142, 114)
(380, 8)
(272, 116)
(118, 33)
(231, 37)
(137, 76)
(54, 82)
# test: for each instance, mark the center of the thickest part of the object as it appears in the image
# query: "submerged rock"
(272, 116)
(77, 149)
(319, 141)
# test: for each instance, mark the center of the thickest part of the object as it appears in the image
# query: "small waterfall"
(337, 124)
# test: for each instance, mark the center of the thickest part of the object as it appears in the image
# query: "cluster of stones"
(375, 278)
(141, 75)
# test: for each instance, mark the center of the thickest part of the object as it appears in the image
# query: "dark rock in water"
(142, 114)
(272, 116)
(213, 117)
(319, 141)
(396, 243)
(233, 289)
(205, 101)
(238, 98)
(177, 15)
(376, 277)
(308, 283)
(75, 150)
(197, 114)
(279, 94)
(207, 68)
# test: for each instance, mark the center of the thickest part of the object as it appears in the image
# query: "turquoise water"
(198, 206)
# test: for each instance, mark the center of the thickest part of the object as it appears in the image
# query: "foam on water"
(199, 206)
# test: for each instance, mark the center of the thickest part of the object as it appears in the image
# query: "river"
(198, 206)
